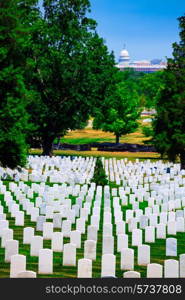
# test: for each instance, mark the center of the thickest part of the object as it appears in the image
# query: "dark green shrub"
(99, 177)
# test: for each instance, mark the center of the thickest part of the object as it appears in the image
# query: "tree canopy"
(119, 112)
(72, 69)
(14, 93)
(169, 125)
(150, 87)
(55, 69)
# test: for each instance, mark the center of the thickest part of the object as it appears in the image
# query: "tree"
(151, 85)
(99, 177)
(72, 70)
(13, 115)
(169, 124)
(120, 111)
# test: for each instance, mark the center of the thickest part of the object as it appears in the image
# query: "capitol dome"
(124, 57)
(124, 53)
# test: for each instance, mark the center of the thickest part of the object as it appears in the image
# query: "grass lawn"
(89, 135)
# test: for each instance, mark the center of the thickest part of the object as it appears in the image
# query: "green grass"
(89, 135)
(157, 248)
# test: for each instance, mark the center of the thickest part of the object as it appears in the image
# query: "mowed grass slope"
(89, 135)
(157, 248)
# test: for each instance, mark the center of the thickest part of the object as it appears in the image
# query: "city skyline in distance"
(146, 28)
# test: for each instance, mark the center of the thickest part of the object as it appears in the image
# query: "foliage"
(72, 69)
(169, 125)
(150, 86)
(148, 132)
(13, 115)
(119, 112)
(99, 177)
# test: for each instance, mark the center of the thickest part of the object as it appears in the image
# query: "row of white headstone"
(56, 169)
(46, 204)
(172, 268)
(65, 169)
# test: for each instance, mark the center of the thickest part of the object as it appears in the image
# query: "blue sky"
(147, 27)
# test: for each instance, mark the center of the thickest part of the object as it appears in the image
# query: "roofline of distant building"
(142, 66)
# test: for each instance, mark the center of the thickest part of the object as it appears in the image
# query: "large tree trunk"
(182, 160)
(47, 145)
(117, 139)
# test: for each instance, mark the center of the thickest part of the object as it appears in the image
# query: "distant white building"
(139, 66)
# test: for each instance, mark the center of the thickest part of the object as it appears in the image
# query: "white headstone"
(19, 218)
(69, 255)
(80, 225)
(163, 217)
(3, 224)
(7, 234)
(171, 268)
(122, 242)
(66, 228)
(43, 209)
(47, 230)
(90, 249)
(45, 261)
(28, 233)
(171, 227)
(108, 245)
(57, 242)
(131, 274)
(40, 221)
(57, 220)
(108, 265)
(136, 237)
(150, 234)
(92, 232)
(129, 215)
(132, 224)
(95, 220)
(120, 227)
(182, 265)
(180, 225)
(171, 247)
(2, 216)
(36, 245)
(161, 231)
(84, 268)
(17, 265)
(75, 238)
(153, 219)
(127, 259)
(154, 271)
(27, 274)
(143, 222)
(107, 229)
(34, 214)
(49, 212)
(171, 216)
(11, 248)
(84, 212)
(143, 255)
